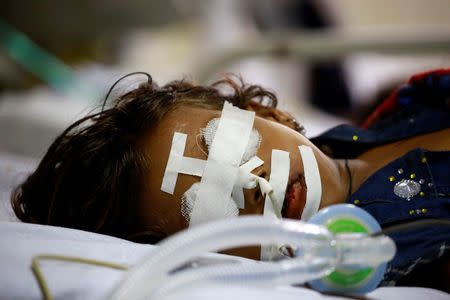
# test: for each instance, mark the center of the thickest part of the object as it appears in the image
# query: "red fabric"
(420, 77)
(390, 104)
(384, 108)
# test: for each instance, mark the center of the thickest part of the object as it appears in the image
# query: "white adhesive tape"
(177, 163)
(279, 177)
(313, 183)
(219, 176)
(252, 146)
(192, 166)
(245, 180)
(174, 162)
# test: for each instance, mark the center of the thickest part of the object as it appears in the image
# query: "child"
(105, 172)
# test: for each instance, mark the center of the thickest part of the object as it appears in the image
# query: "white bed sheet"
(67, 280)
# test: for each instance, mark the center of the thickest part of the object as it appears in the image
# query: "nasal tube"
(320, 252)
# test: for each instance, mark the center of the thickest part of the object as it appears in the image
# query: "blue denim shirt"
(420, 107)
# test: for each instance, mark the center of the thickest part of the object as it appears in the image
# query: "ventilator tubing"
(320, 252)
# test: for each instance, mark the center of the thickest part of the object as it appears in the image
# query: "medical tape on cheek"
(313, 183)
(245, 180)
(219, 176)
(279, 177)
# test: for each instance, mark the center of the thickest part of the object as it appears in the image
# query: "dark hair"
(92, 173)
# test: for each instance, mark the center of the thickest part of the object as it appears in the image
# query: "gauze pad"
(313, 183)
(279, 177)
(252, 147)
(219, 176)
(188, 200)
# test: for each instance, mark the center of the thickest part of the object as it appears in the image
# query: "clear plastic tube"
(321, 252)
(256, 274)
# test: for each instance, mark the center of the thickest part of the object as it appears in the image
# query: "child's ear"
(275, 115)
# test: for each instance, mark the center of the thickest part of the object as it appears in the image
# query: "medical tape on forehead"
(313, 183)
(245, 180)
(219, 176)
(177, 163)
(279, 177)
(174, 162)
(192, 166)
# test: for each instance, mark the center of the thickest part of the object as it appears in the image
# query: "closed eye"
(261, 172)
(258, 195)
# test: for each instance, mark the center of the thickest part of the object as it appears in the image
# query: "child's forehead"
(156, 144)
(187, 119)
(190, 119)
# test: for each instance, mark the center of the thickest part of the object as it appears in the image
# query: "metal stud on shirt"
(406, 189)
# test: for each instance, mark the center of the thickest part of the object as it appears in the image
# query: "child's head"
(101, 173)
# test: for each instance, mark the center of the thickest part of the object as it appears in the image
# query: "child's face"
(161, 212)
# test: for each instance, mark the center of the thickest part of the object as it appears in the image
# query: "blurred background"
(329, 61)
